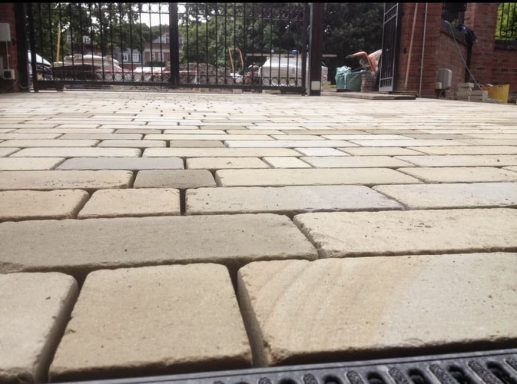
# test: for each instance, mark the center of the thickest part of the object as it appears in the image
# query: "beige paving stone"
(286, 162)
(219, 152)
(281, 177)
(35, 308)
(225, 162)
(286, 200)
(132, 202)
(355, 161)
(410, 232)
(407, 143)
(461, 160)
(32, 136)
(102, 136)
(321, 152)
(328, 310)
(288, 143)
(132, 143)
(23, 205)
(78, 152)
(129, 163)
(48, 143)
(29, 163)
(194, 300)
(453, 195)
(460, 174)
(61, 179)
(182, 179)
(129, 242)
(7, 151)
(379, 151)
(470, 150)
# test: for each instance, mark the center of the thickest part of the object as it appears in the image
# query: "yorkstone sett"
(34, 311)
(189, 321)
(328, 310)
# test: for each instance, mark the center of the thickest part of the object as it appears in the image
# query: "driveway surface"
(158, 233)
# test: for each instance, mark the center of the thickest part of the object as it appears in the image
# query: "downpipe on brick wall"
(423, 52)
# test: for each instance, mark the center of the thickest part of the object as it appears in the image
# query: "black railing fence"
(506, 28)
(224, 45)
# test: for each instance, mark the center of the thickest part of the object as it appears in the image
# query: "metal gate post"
(174, 80)
(315, 49)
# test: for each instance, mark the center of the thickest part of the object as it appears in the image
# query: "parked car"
(285, 70)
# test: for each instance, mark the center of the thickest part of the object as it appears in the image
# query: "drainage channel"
(487, 367)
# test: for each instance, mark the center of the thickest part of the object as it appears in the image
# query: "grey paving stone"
(129, 163)
(379, 151)
(225, 163)
(23, 205)
(48, 143)
(461, 160)
(286, 162)
(410, 232)
(286, 200)
(453, 195)
(282, 177)
(7, 151)
(355, 162)
(460, 174)
(47, 180)
(194, 300)
(132, 143)
(377, 305)
(35, 308)
(288, 143)
(78, 152)
(29, 163)
(129, 242)
(132, 202)
(182, 179)
(219, 152)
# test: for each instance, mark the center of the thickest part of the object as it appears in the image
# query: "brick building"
(490, 62)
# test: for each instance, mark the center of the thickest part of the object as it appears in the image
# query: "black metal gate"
(390, 47)
(251, 46)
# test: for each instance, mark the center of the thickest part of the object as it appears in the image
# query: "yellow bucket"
(498, 92)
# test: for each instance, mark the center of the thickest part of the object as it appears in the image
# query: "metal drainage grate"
(488, 367)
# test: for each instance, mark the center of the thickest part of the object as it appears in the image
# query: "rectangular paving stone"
(225, 162)
(35, 309)
(461, 160)
(375, 306)
(470, 150)
(286, 162)
(129, 242)
(194, 300)
(132, 143)
(453, 195)
(355, 161)
(280, 199)
(182, 179)
(195, 144)
(379, 151)
(321, 152)
(29, 163)
(7, 151)
(219, 152)
(78, 152)
(61, 179)
(460, 174)
(343, 234)
(132, 202)
(281, 177)
(24, 205)
(129, 163)
(48, 143)
(288, 143)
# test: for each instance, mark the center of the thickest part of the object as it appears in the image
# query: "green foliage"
(506, 28)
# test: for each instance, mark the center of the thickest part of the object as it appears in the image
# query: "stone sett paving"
(159, 233)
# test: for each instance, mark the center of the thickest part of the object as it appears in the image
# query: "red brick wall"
(7, 16)
(488, 64)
